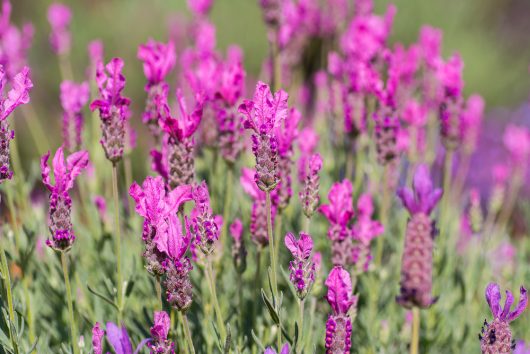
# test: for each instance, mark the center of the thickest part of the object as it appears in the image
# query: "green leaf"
(102, 297)
(270, 307)
(258, 342)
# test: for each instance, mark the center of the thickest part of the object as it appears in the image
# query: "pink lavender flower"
(95, 52)
(341, 299)
(262, 114)
(239, 252)
(521, 348)
(73, 99)
(302, 267)
(284, 350)
(339, 213)
(307, 143)
(97, 339)
(496, 336)
(160, 344)
(120, 341)
(309, 195)
(200, 7)
(18, 95)
(416, 263)
(517, 141)
(179, 162)
(113, 108)
(271, 11)
(162, 231)
(59, 17)
(430, 42)
(59, 218)
(101, 206)
(258, 218)
(364, 231)
(471, 122)
(387, 130)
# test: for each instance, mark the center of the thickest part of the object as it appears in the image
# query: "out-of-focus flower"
(159, 342)
(341, 299)
(517, 141)
(496, 336)
(302, 267)
(59, 218)
(239, 252)
(471, 122)
(203, 226)
(18, 95)
(430, 42)
(119, 340)
(309, 195)
(284, 350)
(200, 7)
(521, 348)
(416, 263)
(307, 143)
(73, 98)
(113, 108)
(59, 17)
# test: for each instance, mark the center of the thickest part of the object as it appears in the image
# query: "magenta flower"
(307, 143)
(97, 339)
(120, 341)
(284, 350)
(95, 52)
(416, 263)
(18, 95)
(302, 267)
(258, 218)
(113, 108)
(521, 348)
(517, 141)
(162, 231)
(239, 252)
(186, 124)
(341, 299)
(430, 42)
(471, 122)
(59, 218)
(496, 336)
(309, 195)
(59, 17)
(101, 206)
(203, 226)
(158, 60)
(200, 7)
(73, 99)
(159, 341)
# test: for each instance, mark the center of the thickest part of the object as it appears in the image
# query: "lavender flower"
(97, 339)
(341, 299)
(339, 213)
(120, 341)
(159, 343)
(309, 195)
(264, 113)
(162, 232)
(18, 95)
(59, 17)
(496, 336)
(521, 348)
(284, 350)
(200, 7)
(202, 227)
(517, 141)
(179, 161)
(239, 252)
(59, 218)
(158, 60)
(416, 263)
(307, 143)
(113, 108)
(302, 267)
(73, 99)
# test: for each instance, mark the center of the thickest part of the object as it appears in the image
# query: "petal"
(45, 170)
(292, 244)
(113, 337)
(59, 169)
(493, 297)
(75, 164)
(285, 349)
(507, 305)
(305, 244)
(339, 294)
(521, 306)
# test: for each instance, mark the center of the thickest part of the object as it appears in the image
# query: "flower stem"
(73, 327)
(277, 232)
(117, 241)
(301, 324)
(227, 204)
(511, 200)
(273, 262)
(7, 285)
(187, 333)
(213, 292)
(35, 129)
(385, 201)
(415, 339)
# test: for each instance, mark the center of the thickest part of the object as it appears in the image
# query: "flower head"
(159, 342)
(200, 7)
(340, 293)
(302, 267)
(284, 350)
(120, 341)
(517, 141)
(59, 17)
(450, 76)
(111, 82)
(493, 297)
(423, 197)
(158, 60)
(430, 42)
(19, 93)
(265, 111)
(187, 123)
(300, 248)
(97, 338)
(340, 208)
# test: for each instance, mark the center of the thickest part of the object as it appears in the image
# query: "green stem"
(36, 129)
(73, 326)
(117, 241)
(385, 201)
(307, 224)
(415, 340)
(273, 262)
(65, 67)
(128, 179)
(277, 232)
(301, 323)
(213, 293)
(227, 204)
(7, 284)
(187, 333)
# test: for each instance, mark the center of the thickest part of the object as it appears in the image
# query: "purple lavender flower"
(471, 122)
(339, 213)
(160, 344)
(264, 113)
(101, 206)
(179, 161)
(521, 348)
(307, 143)
(95, 53)
(120, 341)
(309, 195)
(18, 95)
(59, 17)
(113, 108)
(239, 252)
(302, 267)
(341, 299)
(517, 141)
(162, 232)
(200, 7)
(284, 350)
(59, 218)
(97, 339)
(73, 99)
(203, 226)
(416, 263)
(258, 218)
(364, 231)
(158, 60)
(496, 336)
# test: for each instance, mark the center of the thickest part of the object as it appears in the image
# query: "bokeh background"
(491, 35)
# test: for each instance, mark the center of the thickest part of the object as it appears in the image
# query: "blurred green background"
(491, 35)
